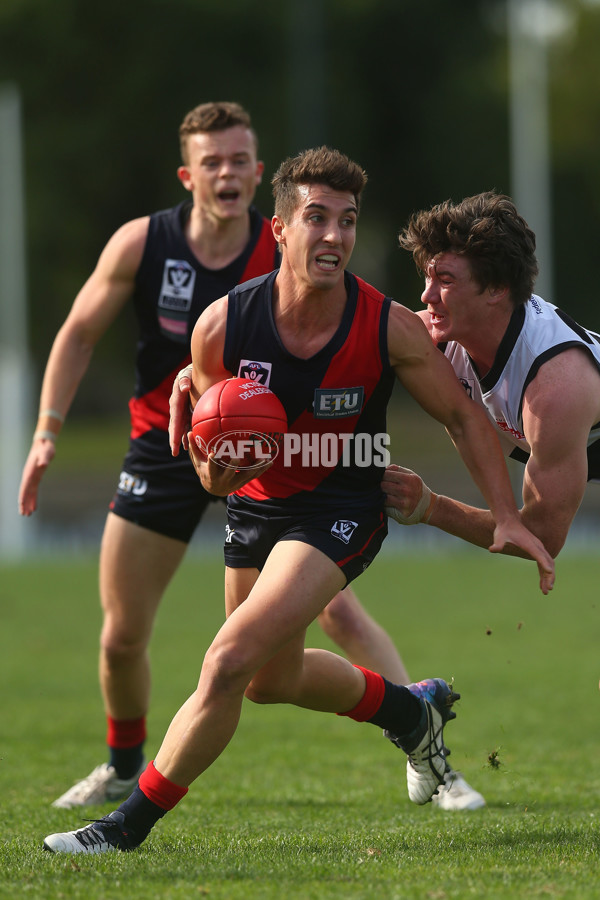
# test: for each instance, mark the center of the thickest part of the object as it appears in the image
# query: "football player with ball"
(297, 535)
(169, 266)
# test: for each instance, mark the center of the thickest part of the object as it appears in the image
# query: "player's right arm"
(431, 380)
(207, 346)
(560, 406)
(95, 307)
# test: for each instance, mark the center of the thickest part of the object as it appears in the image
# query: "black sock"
(140, 813)
(126, 760)
(400, 711)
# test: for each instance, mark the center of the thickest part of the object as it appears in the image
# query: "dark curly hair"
(488, 231)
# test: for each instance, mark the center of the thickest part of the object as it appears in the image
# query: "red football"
(239, 420)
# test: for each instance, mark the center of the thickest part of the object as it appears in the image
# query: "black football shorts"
(350, 536)
(159, 491)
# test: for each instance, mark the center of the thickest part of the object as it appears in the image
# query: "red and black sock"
(387, 705)
(154, 796)
(125, 739)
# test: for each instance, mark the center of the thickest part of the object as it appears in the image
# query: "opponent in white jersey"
(289, 568)
(537, 332)
(536, 371)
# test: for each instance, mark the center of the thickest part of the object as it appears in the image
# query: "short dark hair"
(321, 165)
(213, 117)
(488, 231)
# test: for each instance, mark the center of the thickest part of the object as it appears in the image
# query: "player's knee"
(118, 645)
(339, 621)
(227, 668)
(264, 692)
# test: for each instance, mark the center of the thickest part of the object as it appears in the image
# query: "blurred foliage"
(416, 92)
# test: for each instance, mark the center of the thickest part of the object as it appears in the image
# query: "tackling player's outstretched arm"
(556, 424)
(560, 406)
(430, 379)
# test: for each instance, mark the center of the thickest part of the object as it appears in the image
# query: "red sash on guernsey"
(350, 362)
(152, 410)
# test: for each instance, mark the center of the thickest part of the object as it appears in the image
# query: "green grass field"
(306, 805)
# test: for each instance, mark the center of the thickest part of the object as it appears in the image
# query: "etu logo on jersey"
(332, 403)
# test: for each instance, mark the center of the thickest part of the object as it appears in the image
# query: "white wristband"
(421, 513)
(52, 414)
(45, 435)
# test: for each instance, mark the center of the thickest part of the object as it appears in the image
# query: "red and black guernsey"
(172, 288)
(343, 389)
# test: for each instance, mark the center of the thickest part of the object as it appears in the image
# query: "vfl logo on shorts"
(333, 403)
(260, 372)
(343, 529)
(131, 484)
(177, 286)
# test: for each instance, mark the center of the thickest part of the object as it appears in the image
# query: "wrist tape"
(422, 511)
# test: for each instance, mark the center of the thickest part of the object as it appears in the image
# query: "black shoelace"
(90, 837)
